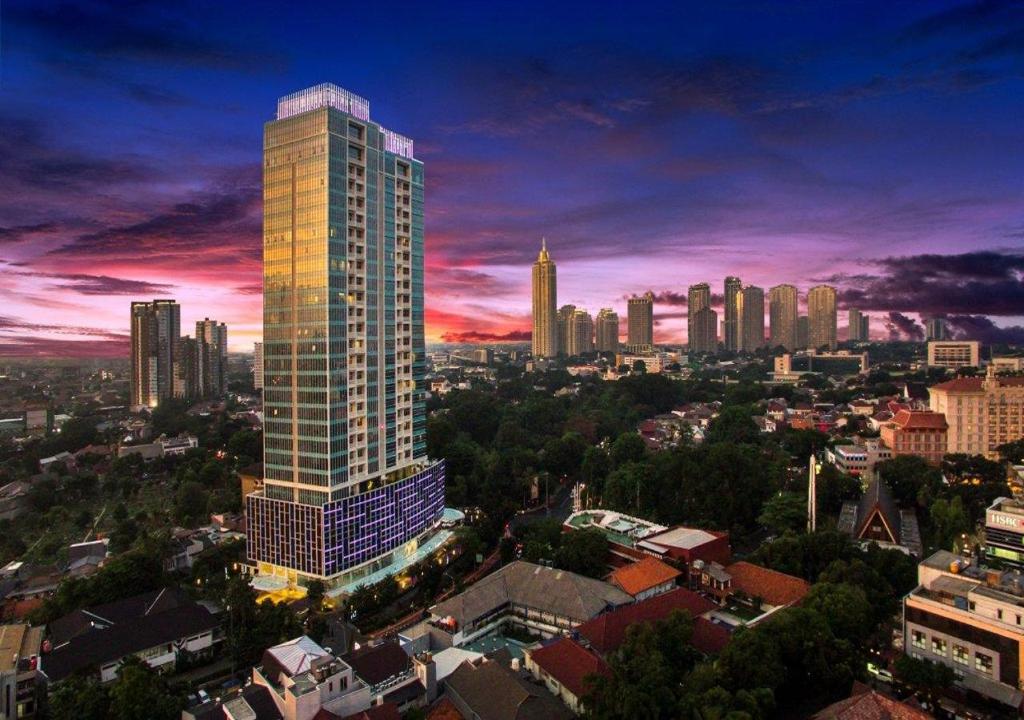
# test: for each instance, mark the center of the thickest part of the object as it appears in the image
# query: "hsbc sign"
(1012, 522)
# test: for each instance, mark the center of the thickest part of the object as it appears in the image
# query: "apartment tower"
(212, 342)
(640, 321)
(783, 317)
(731, 333)
(155, 330)
(348, 488)
(752, 319)
(821, 317)
(606, 329)
(545, 291)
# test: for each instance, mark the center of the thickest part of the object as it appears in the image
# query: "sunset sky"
(876, 146)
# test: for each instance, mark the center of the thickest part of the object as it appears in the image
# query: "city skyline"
(875, 150)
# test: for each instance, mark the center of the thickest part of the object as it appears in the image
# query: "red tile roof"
(444, 709)
(973, 384)
(773, 587)
(643, 575)
(384, 711)
(871, 705)
(920, 420)
(605, 633)
(569, 663)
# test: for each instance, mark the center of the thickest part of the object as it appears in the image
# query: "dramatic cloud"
(901, 327)
(475, 336)
(979, 327)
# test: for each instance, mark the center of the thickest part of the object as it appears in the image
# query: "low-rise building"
(859, 459)
(756, 588)
(917, 432)
(487, 690)
(19, 670)
(645, 578)
(876, 518)
(954, 354)
(971, 619)
(564, 666)
(157, 627)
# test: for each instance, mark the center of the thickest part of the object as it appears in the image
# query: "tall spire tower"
(545, 305)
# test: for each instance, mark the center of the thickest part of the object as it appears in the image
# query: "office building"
(545, 323)
(348, 487)
(257, 366)
(783, 309)
(580, 333)
(704, 328)
(212, 345)
(606, 329)
(821, 317)
(1004, 532)
(155, 328)
(857, 326)
(982, 413)
(935, 329)
(564, 315)
(1007, 364)
(954, 354)
(802, 331)
(186, 369)
(698, 297)
(640, 323)
(733, 312)
(969, 618)
(752, 319)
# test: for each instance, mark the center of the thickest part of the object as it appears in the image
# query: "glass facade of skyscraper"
(346, 475)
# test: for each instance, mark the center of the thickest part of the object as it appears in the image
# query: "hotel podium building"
(348, 487)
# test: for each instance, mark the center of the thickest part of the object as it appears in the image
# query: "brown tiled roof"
(871, 705)
(773, 587)
(605, 633)
(920, 419)
(384, 711)
(643, 575)
(377, 663)
(569, 663)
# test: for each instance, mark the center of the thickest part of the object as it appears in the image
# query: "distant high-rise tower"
(821, 317)
(606, 328)
(704, 326)
(545, 291)
(257, 366)
(803, 331)
(857, 326)
(640, 322)
(348, 488)
(752, 319)
(935, 329)
(580, 333)
(564, 315)
(697, 297)
(186, 369)
(731, 334)
(155, 330)
(212, 340)
(783, 314)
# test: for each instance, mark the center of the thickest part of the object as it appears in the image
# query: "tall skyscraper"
(783, 314)
(606, 328)
(212, 341)
(733, 311)
(348, 487)
(704, 329)
(155, 329)
(580, 332)
(545, 292)
(857, 326)
(821, 317)
(935, 329)
(257, 365)
(186, 369)
(640, 323)
(564, 316)
(697, 297)
(803, 331)
(752, 324)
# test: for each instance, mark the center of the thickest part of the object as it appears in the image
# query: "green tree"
(734, 425)
(584, 552)
(190, 503)
(80, 698)
(910, 478)
(784, 512)
(315, 590)
(139, 692)
(628, 447)
(845, 608)
(948, 521)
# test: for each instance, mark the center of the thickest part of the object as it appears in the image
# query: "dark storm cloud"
(101, 284)
(12, 324)
(134, 32)
(18, 233)
(979, 327)
(985, 282)
(477, 336)
(901, 327)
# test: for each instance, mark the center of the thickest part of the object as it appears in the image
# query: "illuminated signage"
(1001, 520)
